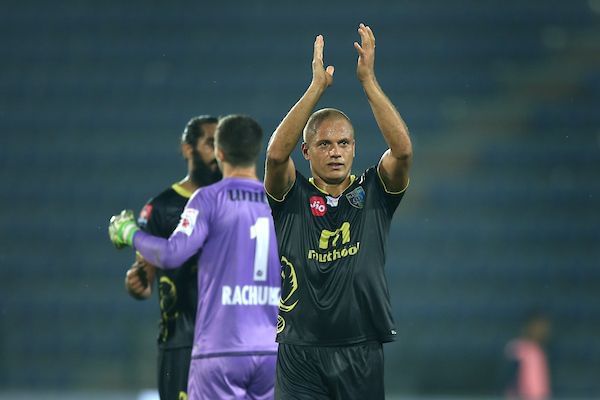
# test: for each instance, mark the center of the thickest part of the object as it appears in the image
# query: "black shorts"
(173, 367)
(336, 372)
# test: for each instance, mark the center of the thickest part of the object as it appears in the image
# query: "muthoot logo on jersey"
(338, 241)
(250, 295)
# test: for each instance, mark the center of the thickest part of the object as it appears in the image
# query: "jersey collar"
(312, 181)
(181, 191)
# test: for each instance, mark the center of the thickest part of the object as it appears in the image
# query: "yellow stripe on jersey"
(181, 191)
(385, 188)
(312, 181)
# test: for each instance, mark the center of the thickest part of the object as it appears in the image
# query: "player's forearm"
(162, 253)
(388, 119)
(286, 136)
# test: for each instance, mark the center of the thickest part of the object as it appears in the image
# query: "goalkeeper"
(177, 292)
(230, 222)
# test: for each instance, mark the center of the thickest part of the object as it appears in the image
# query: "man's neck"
(230, 171)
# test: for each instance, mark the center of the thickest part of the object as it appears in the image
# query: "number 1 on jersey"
(260, 231)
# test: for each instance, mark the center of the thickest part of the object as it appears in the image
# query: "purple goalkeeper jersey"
(238, 268)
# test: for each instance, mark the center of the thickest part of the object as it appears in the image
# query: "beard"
(202, 174)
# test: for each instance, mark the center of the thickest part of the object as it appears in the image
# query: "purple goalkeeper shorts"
(232, 377)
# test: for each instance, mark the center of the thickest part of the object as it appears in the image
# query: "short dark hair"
(194, 129)
(318, 117)
(240, 139)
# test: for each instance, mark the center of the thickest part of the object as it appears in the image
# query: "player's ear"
(219, 155)
(186, 150)
(305, 151)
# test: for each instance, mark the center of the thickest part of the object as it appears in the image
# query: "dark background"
(502, 215)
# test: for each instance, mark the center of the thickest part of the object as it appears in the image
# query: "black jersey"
(334, 289)
(177, 288)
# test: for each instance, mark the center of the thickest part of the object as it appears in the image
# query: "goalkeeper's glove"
(121, 229)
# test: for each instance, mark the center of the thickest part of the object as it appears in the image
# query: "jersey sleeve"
(150, 219)
(187, 239)
(389, 200)
(280, 206)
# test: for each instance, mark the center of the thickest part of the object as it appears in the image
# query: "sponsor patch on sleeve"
(145, 215)
(187, 221)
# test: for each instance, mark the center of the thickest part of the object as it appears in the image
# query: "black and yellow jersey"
(334, 289)
(177, 288)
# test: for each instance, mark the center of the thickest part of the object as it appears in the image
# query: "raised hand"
(365, 69)
(121, 229)
(323, 77)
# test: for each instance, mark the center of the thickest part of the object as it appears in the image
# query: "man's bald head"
(318, 117)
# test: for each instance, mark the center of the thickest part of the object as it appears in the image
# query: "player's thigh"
(355, 372)
(262, 382)
(298, 375)
(173, 368)
(219, 378)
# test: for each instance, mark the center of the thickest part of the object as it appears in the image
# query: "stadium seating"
(501, 216)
